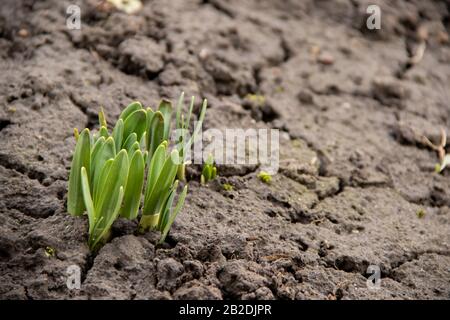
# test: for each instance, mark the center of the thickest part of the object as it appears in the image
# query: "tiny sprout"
(209, 171)
(76, 134)
(49, 252)
(420, 213)
(257, 99)
(227, 187)
(265, 177)
(101, 118)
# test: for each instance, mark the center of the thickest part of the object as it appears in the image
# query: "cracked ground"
(356, 185)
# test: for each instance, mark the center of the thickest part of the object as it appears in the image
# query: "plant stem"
(181, 173)
(149, 221)
(95, 244)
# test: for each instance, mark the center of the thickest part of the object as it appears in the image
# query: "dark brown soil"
(353, 177)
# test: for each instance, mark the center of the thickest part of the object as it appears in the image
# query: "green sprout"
(209, 171)
(265, 177)
(227, 187)
(421, 213)
(107, 174)
(258, 99)
(49, 251)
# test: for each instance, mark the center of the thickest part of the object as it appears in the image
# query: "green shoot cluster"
(265, 177)
(112, 171)
(209, 171)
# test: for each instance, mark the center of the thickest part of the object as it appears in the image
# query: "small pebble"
(23, 33)
(326, 59)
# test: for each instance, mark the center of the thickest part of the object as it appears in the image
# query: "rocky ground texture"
(356, 185)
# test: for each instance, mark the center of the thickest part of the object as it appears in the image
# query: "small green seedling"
(227, 187)
(420, 213)
(265, 177)
(257, 99)
(209, 171)
(49, 252)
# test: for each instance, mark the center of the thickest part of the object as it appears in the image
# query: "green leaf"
(117, 177)
(97, 146)
(163, 184)
(133, 190)
(81, 158)
(88, 199)
(167, 206)
(165, 107)
(132, 138)
(118, 134)
(110, 197)
(134, 147)
(174, 214)
(135, 123)
(103, 133)
(142, 142)
(102, 119)
(145, 154)
(100, 183)
(155, 133)
(102, 228)
(106, 152)
(154, 169)
(132, 107)
(179, 109)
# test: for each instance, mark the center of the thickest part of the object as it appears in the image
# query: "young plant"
(157, 213)
(265, 177)
(107, 175)
(227, 187)
(158, 126)
(81, 159)
(209, 171)
(103, 208)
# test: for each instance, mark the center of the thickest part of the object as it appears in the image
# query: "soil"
(356, 186)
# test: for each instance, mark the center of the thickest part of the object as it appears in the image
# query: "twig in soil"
(444, 159)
